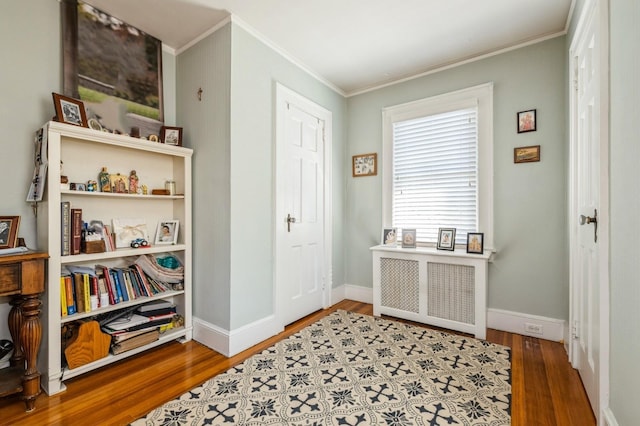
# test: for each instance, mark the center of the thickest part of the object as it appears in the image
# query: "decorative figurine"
(103, 179)
(145, 190)
(133, 182)
(92, 186)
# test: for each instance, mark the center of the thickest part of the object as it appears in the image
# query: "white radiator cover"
(442, 288)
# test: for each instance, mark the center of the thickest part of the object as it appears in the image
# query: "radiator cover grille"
(400, 284)
(451, 292)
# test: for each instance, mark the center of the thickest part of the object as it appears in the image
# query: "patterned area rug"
(352, 369)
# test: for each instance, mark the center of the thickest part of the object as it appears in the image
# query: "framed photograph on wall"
(69, 110)
(167, 232)
(446, 239)
(475, 242)
(390, 237)
(526, 121)
(365, 165)
(9, 226)
(409, 238)
(526, 154)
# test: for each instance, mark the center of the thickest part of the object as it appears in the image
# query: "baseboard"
(352, 292)
(515, 322)
(608, 418)
(230, 343)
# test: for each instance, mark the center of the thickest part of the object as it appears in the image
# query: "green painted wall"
(625, 204)
(530, 272)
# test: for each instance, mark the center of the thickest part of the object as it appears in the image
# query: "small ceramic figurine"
(103, 180)
(145, 190)
(133, 182)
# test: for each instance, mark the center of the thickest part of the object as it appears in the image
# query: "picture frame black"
(526, 121)
(446, 239)
(475, 242)
(69, 110)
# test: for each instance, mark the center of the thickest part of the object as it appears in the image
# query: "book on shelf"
(69, 291)
(136, 322)
(76, 230)
(65, 228)
(63, 297)
(135, 342)
(155, 305)
(80, 296)
(162, 311)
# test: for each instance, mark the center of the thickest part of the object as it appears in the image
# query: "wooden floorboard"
(545, 389)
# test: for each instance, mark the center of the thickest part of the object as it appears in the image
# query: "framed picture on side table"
(475, 242)
(9, 231)
(446, 239)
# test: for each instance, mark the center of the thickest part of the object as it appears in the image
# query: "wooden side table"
(22, 277)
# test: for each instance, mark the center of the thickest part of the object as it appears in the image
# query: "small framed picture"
(167, 232)
(389, 237)
(9, 226)
(526, 154)
(171, 135)
(119, 183)
(446, 239)
(69, 110)
(365, 165)
(526, 121)
(475, 242)
(409, 238)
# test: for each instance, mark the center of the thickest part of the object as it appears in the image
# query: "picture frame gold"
(364, 165)
(526, 154)
(9, 226)
(69, 110)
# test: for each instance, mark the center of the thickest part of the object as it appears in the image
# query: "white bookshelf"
(84, 152)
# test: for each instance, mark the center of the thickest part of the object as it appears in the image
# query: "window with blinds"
(435, 161)
(437, 165)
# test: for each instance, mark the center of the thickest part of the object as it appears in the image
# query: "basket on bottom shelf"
(85, 343)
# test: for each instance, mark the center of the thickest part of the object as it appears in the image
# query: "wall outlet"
(533, 328)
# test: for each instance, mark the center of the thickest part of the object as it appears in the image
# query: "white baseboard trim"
(230, 343)
(516, 322)
(352, 292)
(608, 417)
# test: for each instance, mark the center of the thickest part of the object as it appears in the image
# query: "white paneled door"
(589, 210)
(301, 243)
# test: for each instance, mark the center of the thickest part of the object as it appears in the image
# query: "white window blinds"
(435, 174)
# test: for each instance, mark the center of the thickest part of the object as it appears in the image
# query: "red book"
(76, 230)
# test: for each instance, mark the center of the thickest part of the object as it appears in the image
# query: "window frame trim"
(480, 96)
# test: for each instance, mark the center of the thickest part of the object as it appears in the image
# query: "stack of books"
(141, 327)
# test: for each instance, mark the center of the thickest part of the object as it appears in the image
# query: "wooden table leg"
(31, 337)
(15, 327)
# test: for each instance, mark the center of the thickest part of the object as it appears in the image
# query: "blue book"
(123, 284)
(116, 284)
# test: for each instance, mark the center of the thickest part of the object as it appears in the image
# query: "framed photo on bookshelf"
(9, 226)
(167, 232)
(171, 135)
(69, 110)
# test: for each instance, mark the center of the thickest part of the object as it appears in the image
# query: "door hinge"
(574, 331)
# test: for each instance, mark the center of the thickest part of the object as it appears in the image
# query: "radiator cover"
(446, 289)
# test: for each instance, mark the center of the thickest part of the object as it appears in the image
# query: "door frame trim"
(598, 10)
(283, 96)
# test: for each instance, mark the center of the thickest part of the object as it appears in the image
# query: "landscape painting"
(114, 68)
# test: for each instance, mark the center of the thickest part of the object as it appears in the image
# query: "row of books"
(84, 289)
(141, 327)
(74, 230)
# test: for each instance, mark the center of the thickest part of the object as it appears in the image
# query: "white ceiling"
(354, 45)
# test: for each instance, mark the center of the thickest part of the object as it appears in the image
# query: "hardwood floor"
(546, 390)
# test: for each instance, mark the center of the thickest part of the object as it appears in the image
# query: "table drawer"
(9, 278)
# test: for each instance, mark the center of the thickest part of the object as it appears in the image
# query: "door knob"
(588, 220)
(290, 220)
